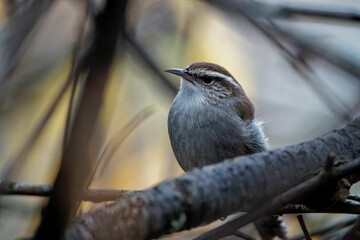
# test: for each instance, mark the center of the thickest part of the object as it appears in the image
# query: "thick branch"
(207, 194)
(325, 178)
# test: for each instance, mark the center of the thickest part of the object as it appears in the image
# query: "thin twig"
(300, 64)
(298, 61)
(113, 144)
(74, 72)
(287, 10)
(312, 48)
(328, 229)
(91, 195)
(147, 60)
(20, 36)
(11, 164)
(336, 13)
(9, 169)
(303, 227)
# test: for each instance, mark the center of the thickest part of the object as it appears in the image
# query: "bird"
(212, 119)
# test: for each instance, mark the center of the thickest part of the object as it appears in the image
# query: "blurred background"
(296, 103)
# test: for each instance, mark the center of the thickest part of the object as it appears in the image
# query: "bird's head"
(214, 85)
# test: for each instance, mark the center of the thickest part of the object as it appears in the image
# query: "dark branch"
(91, 195)
(303, 227)
(10, 168)
(207, 194)
(328, 229)
(20, 36)
(298, 53)
(253, 9)
(107, 153)
(75, 165)
(288, 10)
(325, 11)
(270, 206)
(354, 232)
(147, 60)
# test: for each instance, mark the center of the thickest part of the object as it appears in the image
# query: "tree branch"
(252, 10)
(286, 10)
(303, 227)
(144, 57)
(298, 192)
(91, 195)
(214, 191)
(20, 36)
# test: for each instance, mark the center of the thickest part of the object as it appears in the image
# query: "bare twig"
(336, 13)
(12, 164)
(113, 144)
(328, 229)
(327, 96)
(299, 44)
(20, 36)
(147, 59)
(91, 195)
(303, 227)
(75, 70)
(288, 10)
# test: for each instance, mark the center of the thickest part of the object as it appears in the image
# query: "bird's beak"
(176, 71)
(180, 72)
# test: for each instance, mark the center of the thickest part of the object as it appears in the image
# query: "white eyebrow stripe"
(207, 72)
(217, 74)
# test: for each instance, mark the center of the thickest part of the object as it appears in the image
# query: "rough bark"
(206, 194)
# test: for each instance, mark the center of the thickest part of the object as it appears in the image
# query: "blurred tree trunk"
(76, 165)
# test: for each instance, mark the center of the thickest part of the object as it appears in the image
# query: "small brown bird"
(212, 119)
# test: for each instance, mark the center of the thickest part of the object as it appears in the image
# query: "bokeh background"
(174, 33)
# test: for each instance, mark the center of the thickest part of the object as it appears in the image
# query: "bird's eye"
(207, 80)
